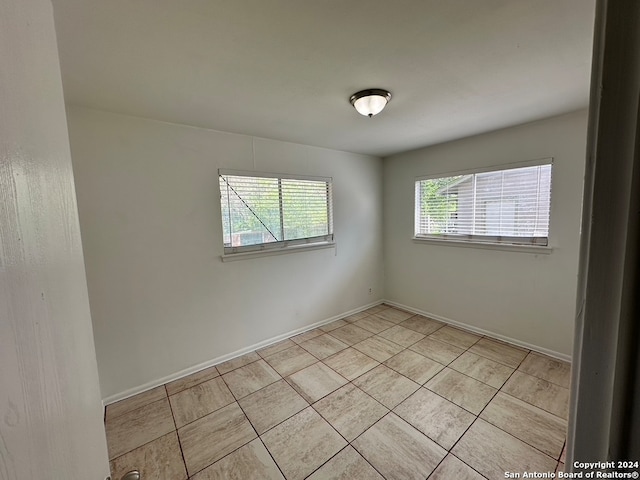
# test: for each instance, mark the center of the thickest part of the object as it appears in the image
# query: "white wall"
(161, 299)
(51, 423)
(522, 296)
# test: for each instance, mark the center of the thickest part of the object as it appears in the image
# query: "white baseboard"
(210, 363)
(482, 331)
(265, 343)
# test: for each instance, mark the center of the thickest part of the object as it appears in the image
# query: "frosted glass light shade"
(370, 102)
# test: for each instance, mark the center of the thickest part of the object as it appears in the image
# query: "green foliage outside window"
(438, 206)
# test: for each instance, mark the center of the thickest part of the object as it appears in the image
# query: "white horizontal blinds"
(437, 204)
(514, 202)
(304, 209)
(250, 210)
(270, 211)
(509, 206)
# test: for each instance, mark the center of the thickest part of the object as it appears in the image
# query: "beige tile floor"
(382, 394)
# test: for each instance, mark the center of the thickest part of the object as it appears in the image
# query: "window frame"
(512, 243)
(282, 246)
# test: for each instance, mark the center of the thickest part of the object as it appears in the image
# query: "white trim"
(282, 244)
(510, 247)
(551, 353)
(278, 245)
(493, 168)
(232, 257)
(250, 173)
(265, 343)
(210, 363)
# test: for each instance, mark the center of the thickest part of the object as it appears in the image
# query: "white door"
(51, 424)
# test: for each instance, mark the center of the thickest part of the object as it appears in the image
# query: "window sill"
(232, 257)
(509, 247)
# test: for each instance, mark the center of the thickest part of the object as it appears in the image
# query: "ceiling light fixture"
(370, 102)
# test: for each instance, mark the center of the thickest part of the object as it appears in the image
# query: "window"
(509, 206)
(274, 211)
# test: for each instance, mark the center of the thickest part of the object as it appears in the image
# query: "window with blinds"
(274, 211)
(508, 206)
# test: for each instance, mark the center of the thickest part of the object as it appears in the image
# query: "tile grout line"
(375, 423)
(356, 387)
(350, 382)
(500, 389)
(497, 390)
(511, 435)
(349, 443)
(148, 442)
(469, 376)
(258, 436)
(534, 406)
(465, 463)
(167, 398)
(496, 426)
(270, 455)
(295, 371)
(173, 416)
(529, 403)
(209, 413)
(335, 430)
(300, 393)
(399, 372)
(392, 410)
(417, 430)
(476, 416)
(140, 446)
(447, 366)
(192, 386)
(508, 433)
(282, 421)
(235, 449)
(134, 409)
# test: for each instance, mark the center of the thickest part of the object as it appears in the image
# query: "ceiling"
(284, 69)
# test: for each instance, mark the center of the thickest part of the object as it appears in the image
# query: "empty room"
(284, 239)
